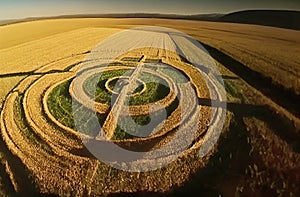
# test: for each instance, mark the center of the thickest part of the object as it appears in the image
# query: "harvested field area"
(160, 97)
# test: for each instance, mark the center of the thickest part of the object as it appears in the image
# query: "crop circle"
(130, 128)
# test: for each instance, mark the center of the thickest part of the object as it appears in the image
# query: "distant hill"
(5, 22)
(274, 18)
(146, 15)
(204, 17)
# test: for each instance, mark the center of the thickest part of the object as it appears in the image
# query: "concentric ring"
(34, 126)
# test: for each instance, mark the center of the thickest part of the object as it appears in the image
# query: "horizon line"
(141, 13)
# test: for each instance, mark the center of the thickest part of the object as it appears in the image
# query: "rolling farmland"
(47, 90)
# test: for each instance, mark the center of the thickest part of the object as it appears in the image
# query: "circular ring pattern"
(118, 86)
(34, 133)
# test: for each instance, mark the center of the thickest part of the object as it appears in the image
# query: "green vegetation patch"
(232, 90)
(101, 94)
(61, 107)
(124, 129)
(156, 88)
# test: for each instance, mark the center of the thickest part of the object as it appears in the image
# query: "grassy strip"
(27, 132)
(232, 90)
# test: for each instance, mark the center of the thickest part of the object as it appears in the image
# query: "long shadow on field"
(280, 125)
(229, 77)
(7, 185)
(286, 98)
(21, 174)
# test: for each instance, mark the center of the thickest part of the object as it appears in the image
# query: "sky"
(16, 9)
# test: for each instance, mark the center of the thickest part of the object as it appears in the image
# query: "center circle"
(114, 85)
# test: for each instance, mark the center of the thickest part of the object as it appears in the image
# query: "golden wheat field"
(43, 151)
